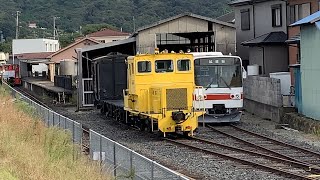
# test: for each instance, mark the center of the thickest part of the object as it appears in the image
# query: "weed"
(29, 150)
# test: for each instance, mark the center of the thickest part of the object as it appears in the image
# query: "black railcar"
(110, 79)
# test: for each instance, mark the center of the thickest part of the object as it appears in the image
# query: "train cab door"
(131, 76)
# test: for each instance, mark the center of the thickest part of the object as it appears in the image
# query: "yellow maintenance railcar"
(160, 92)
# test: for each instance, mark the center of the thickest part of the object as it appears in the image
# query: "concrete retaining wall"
(263, 97)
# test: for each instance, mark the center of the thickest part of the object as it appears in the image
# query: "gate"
(87, 89)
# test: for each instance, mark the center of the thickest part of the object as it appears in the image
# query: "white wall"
(108, 39)
(20, 46)
(40, 67)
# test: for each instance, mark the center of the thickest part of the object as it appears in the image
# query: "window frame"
(274, 9)
(172, 63)
(241, 23)
(295, 12)
(183, 71)
(144, 61)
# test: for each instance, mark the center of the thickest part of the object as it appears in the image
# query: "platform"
(43, 83)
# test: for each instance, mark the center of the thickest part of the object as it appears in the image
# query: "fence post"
(114, 159)
(100, 147)
(59, 120)
(73, 138)
(53, 119)
(131, 161)
(48, 118)
(152, 169)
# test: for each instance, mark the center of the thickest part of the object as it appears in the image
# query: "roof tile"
(40, 55)
(107, 32)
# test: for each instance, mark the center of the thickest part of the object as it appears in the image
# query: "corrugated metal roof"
(270, 38)
(183, 15)
(308, 20)
(229, 18)
(239, 2)
(245, 2)
(110, 44)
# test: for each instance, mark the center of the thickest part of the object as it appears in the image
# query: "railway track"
(252, 150)
(281, 166)
(30, 96)
(248, 140)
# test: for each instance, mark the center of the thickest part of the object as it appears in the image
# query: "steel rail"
(276, 141)
(28, 95)
(243, 161)
(306, 166)
(255, 145)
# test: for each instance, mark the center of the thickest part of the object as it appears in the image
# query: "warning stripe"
(219, 97)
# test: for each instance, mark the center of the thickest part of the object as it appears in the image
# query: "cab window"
(144, 66)
(164, 66)
(184, 65)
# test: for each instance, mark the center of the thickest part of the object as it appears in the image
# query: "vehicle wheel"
(148, 126)
(186, 133)
(142, 124)
(102, 110)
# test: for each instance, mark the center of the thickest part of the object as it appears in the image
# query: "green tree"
(68, 38)
(5, 47)
(90, 28)
(98, 13)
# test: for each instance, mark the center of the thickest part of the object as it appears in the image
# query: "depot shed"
(187, 31)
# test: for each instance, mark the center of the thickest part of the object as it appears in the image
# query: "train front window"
(184, 65)
(144, 66)
(218, 72)
(164, 66)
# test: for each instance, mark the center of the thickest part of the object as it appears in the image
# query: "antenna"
(54, 26)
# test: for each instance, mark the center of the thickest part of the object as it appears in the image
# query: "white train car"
(222, 79)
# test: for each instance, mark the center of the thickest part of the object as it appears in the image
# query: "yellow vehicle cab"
(160, 92)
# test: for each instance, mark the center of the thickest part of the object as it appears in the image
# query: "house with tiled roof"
(68, 53)
(108, 35)
(32, 64)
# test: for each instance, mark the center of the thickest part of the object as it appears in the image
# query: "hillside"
(118, 13)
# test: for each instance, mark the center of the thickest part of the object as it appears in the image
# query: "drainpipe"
(253, 24)
(263, 63)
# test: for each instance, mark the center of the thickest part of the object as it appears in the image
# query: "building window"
(276, 15)
(298, 11)
(144, 66)
(164, 39)
(245, 19)
(103, 41)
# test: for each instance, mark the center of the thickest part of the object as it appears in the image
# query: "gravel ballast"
(197, 165)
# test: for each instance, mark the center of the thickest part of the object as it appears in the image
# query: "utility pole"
(54, 26)
(17, 24)
(134, 24)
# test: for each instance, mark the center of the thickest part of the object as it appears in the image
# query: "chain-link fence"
(124, 162)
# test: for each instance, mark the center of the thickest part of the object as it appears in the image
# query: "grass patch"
(29, 150)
